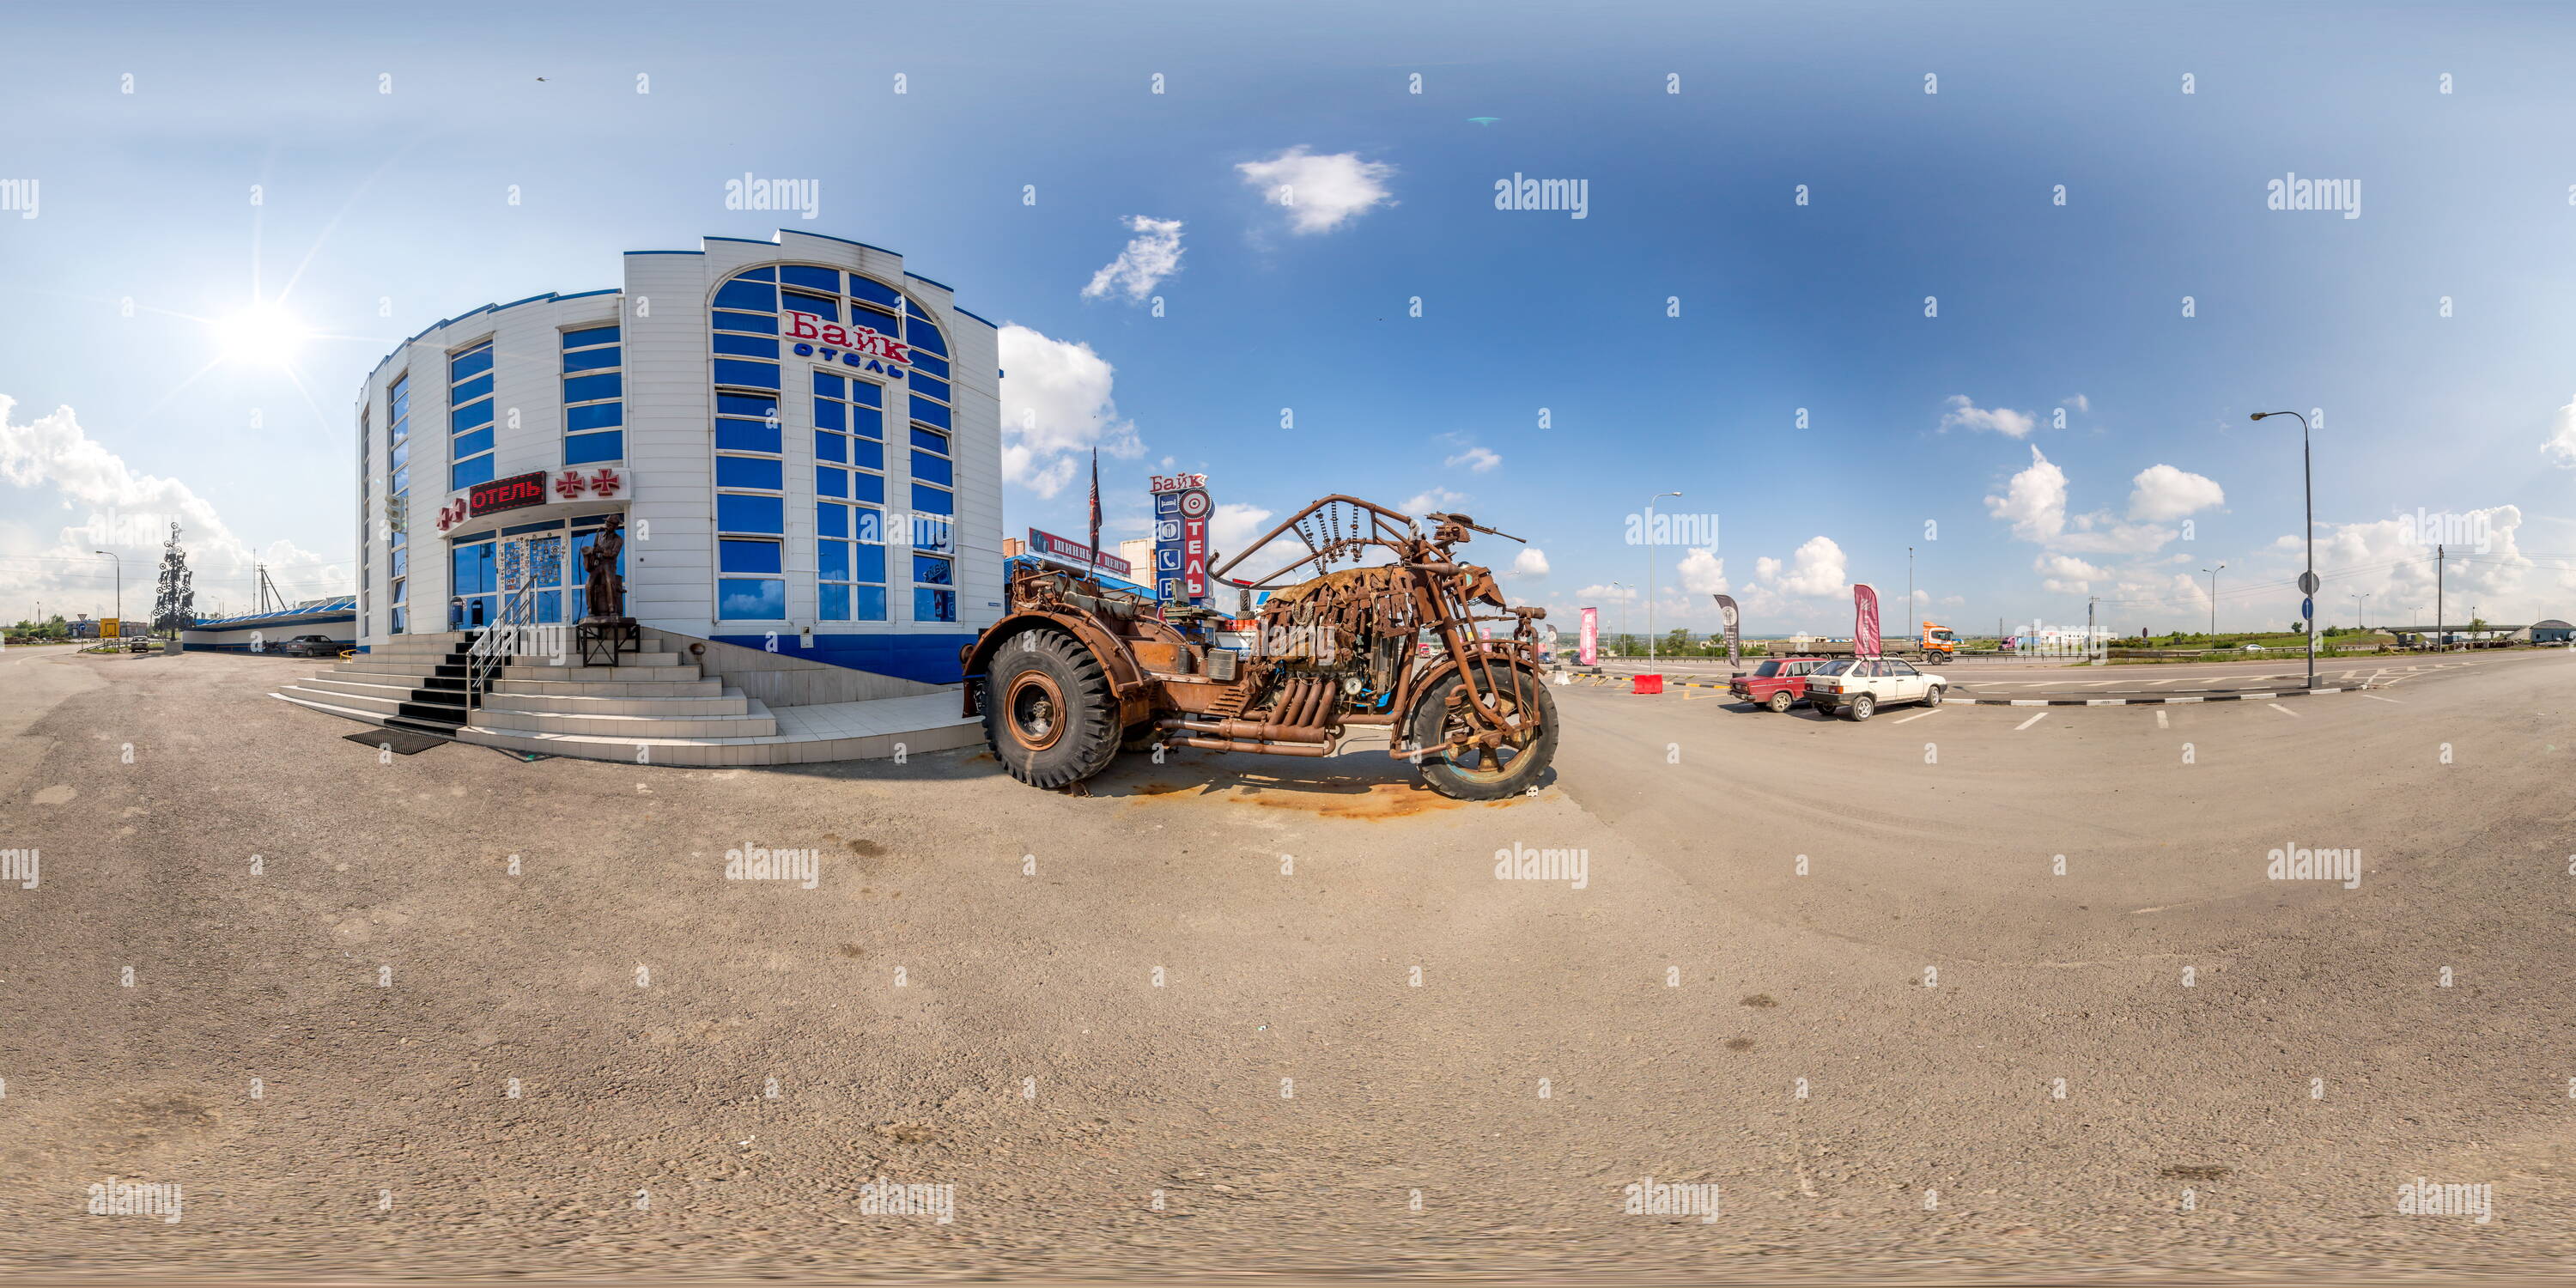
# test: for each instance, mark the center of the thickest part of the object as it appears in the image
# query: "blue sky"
(388, 211)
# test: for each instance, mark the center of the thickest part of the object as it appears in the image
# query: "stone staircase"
(653, 707)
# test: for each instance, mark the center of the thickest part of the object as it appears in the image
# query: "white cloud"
(2163, 492)
(128, 513)
(2100, 534)
(1597, 594)
(1320, 192)
(1964, 414)
(1475, 458)
(2079, 402)
(2561, 447)
(2066, 574)
(1439, 498)
(1056, 404)
(1766, 568)
(2034, 501)
(1530, 563)
(1703, 573)
(1816, 568)
(1153, 254)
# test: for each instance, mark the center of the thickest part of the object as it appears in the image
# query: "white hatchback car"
(1859, 688)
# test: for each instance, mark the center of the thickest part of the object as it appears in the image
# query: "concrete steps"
(653, 707)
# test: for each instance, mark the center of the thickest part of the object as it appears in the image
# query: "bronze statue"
(604, 594)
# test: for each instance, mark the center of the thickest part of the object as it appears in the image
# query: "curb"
(2161, 700)
(2174, 699)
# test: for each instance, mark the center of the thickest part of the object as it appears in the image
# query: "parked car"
(309, 646)
(1779, 684)
(1859, 689)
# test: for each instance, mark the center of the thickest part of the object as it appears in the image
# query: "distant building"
(2552, 631)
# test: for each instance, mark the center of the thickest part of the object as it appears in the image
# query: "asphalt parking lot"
(1178, 1019)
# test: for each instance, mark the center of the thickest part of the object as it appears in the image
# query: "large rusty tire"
(1048, 714)
(1481, 774)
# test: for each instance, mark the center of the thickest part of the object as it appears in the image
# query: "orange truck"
(1934, 641)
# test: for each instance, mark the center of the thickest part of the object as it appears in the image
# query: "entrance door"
(538, 561)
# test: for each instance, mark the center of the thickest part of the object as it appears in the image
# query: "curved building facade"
(802, 440)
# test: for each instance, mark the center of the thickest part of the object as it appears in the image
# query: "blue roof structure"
(316, 608)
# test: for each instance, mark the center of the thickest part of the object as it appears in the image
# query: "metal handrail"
(486, 654)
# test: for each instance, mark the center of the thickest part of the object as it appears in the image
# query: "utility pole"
(2213, 598)
(1912, 627)
(2308, 580)
(2440, 642)
(120, 587)
(2088, 624)
(1651, 545)
(1623, 617)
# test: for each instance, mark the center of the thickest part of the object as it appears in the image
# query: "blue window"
(930, 570)
(469, 419)
(811, 277)
(932, 500)
(867, 487)
(756, 375)
(742, 599)
(607, 415)
(829, 385)
(734, 435)
(746, 405)
(763, 323)
(831, 482)
(832, 414)
(931, 469)
(593, 402)
(741, 294)
(832, 447)
(933, 605)
(586, 388)
(749, 471)
(867, 421)
(757, 275)
(929, 413)
(931, 534)
(920, 333)
(740, 513)
(849, 564)
(881, 323)
(749, 346)
(933, 386)
(747, 556)
(874, 291)
(402, 455)
(584, 449)
(791, 302)
(929, 440)
(867, 393)
(924, 362)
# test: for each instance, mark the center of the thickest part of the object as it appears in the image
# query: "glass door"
(536, 560)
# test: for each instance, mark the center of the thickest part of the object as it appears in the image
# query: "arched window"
(869, 351)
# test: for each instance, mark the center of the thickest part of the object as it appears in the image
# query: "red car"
(1779, 684)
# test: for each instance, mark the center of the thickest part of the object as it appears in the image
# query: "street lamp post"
(2360, 605)
(2308, 580)
(2213, 601)
(1651, 544)
(1623, 617)
(120, 588)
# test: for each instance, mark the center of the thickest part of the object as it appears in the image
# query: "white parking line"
(2032, 721)
(2282, 709)
(2161, 722)
(1920, 714)
(2376, 698)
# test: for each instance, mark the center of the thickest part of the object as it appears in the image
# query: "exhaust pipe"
(1268, 748)
(1252, 730)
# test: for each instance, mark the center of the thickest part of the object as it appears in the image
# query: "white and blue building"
(802, 438)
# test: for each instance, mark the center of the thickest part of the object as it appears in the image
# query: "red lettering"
(801, 326)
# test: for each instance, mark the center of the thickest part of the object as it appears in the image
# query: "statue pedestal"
(601, 639)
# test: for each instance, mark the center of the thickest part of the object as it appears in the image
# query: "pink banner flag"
(1864, 620)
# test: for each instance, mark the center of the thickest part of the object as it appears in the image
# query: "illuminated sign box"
(1049, 545)
(512, 493)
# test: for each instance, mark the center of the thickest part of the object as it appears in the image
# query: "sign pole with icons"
(1181, 513)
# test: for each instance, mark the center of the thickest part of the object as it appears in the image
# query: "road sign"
(110, 628)
(2308, 610)
(2308, 583)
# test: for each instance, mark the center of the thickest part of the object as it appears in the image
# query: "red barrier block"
(1648, 684)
